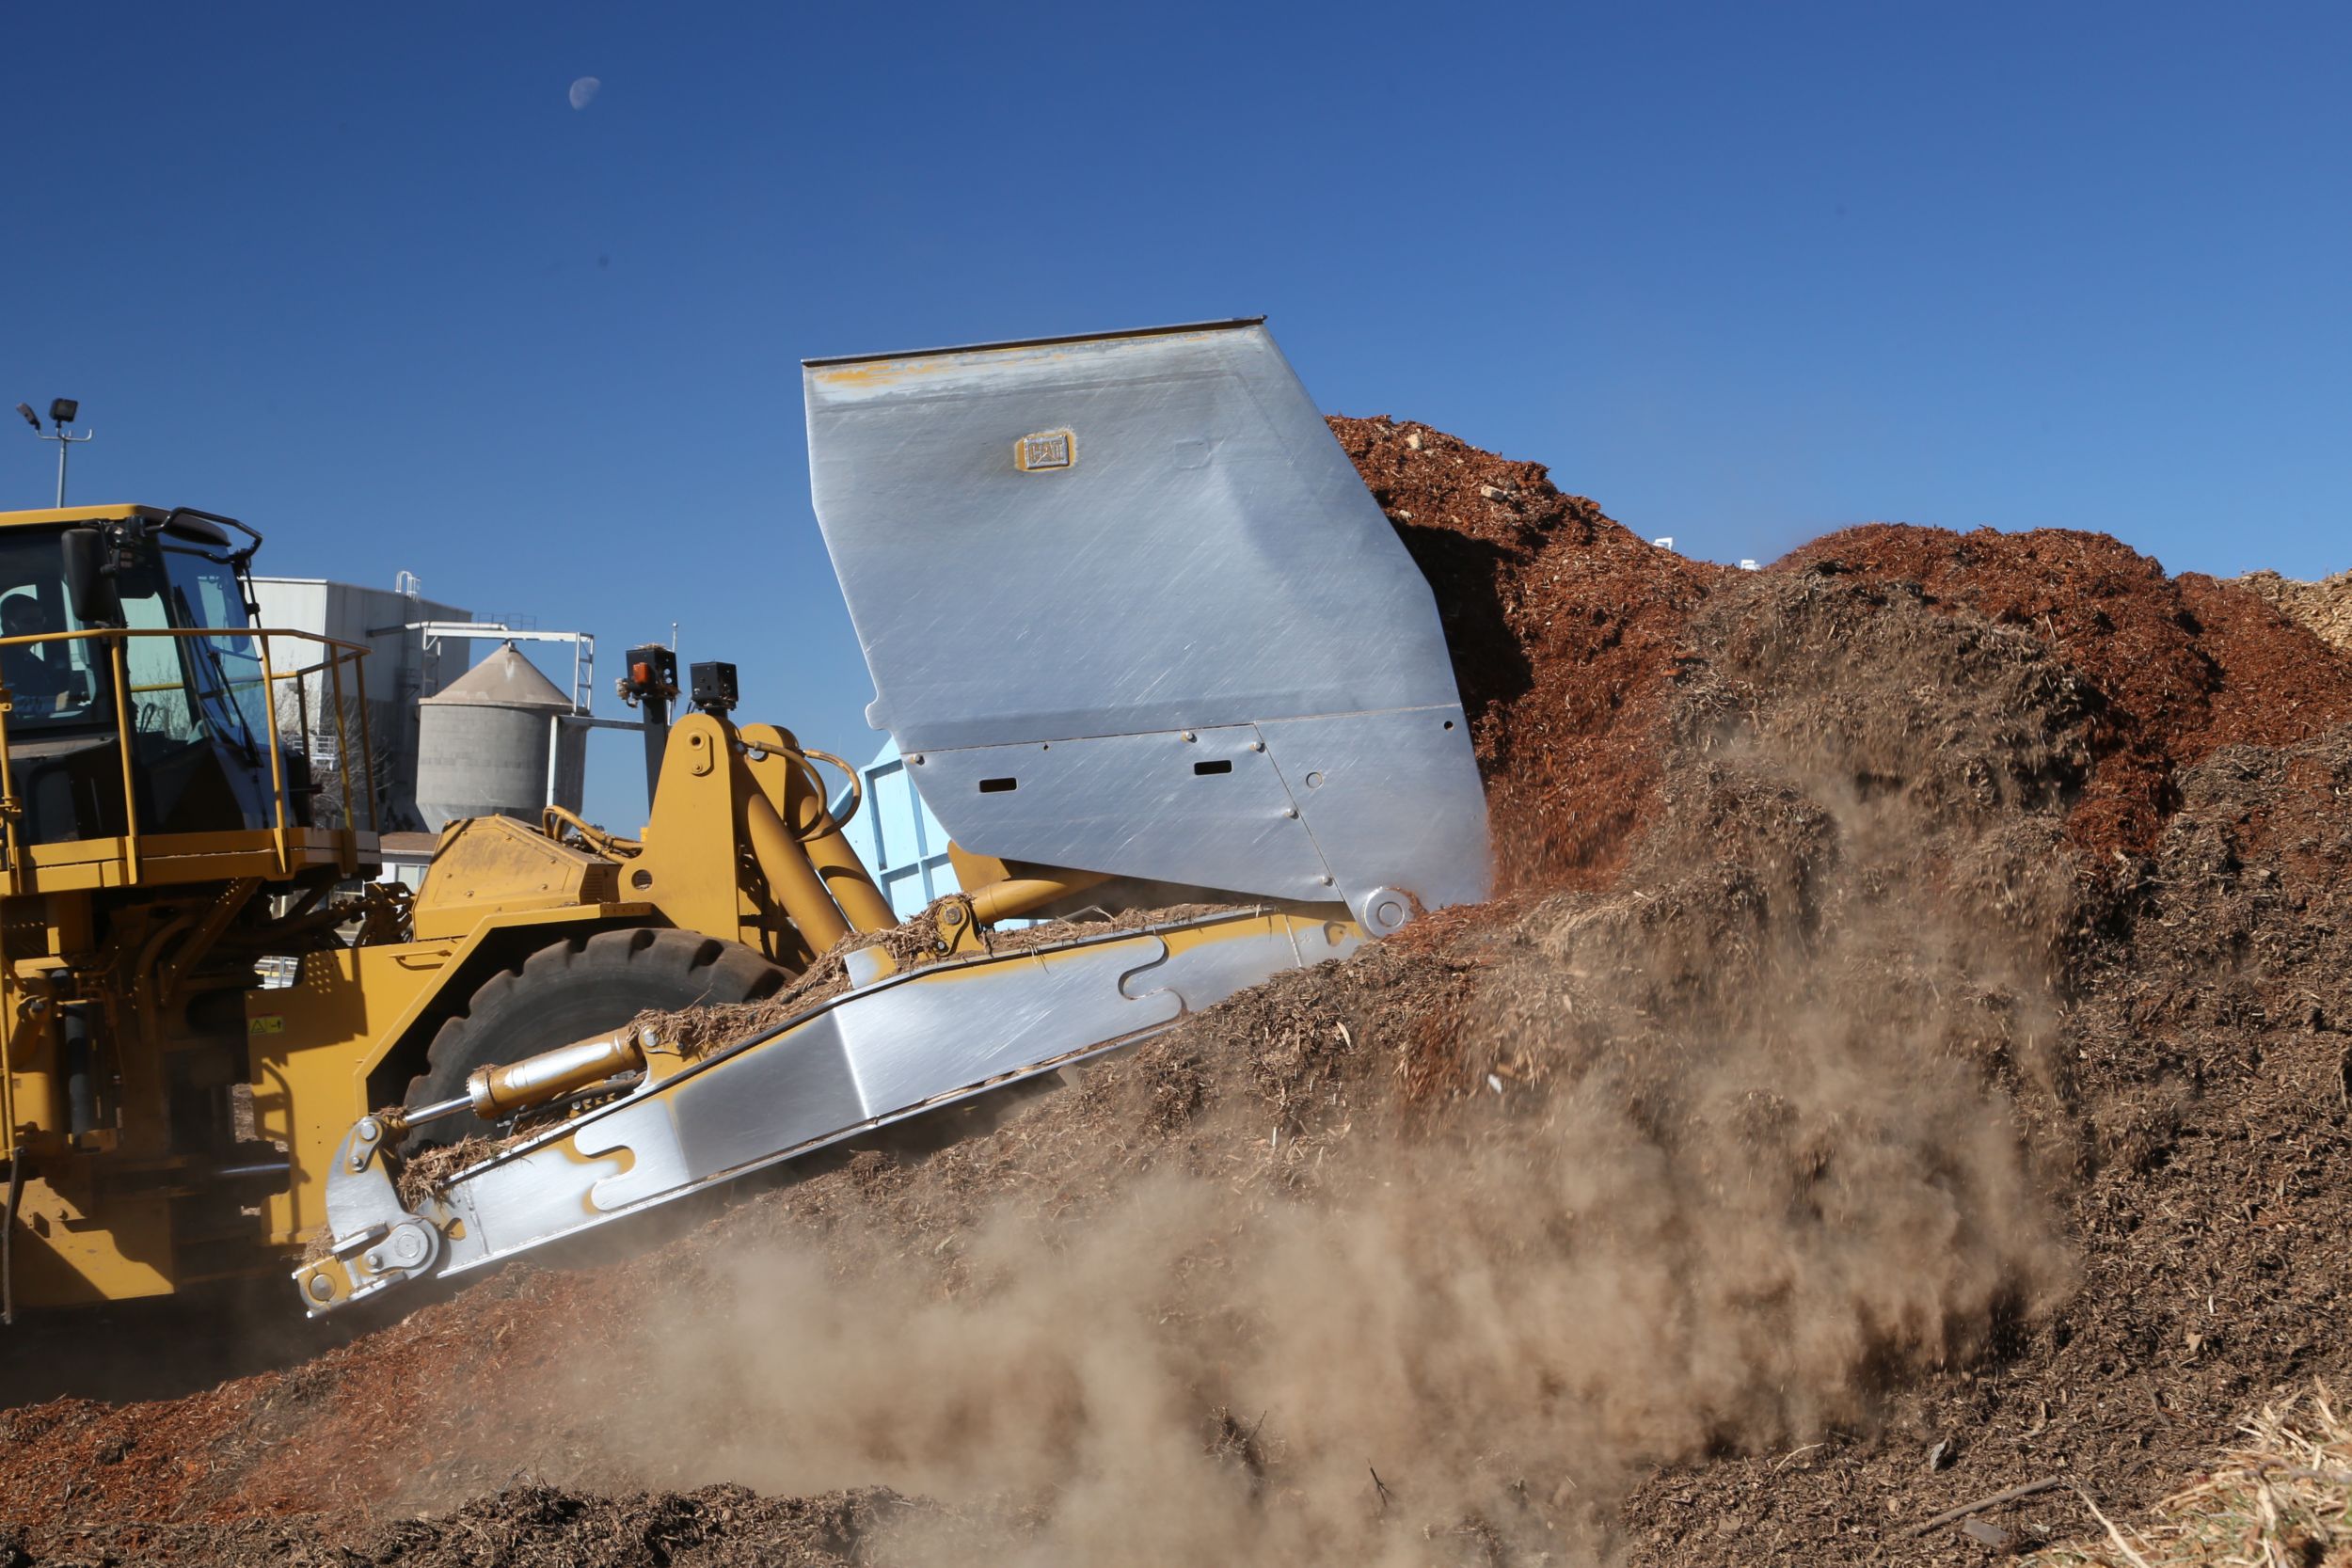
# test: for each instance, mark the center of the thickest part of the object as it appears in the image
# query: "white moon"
(584, 91)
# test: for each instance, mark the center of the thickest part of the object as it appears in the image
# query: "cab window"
(228, 669)
(51, 681)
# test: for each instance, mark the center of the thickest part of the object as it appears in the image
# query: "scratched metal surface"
(1063, 558)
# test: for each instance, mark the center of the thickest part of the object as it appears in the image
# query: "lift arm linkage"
(904, 1044)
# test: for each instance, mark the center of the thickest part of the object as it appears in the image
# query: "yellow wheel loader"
(1139, 632)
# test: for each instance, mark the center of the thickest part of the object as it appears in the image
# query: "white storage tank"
(484, 745)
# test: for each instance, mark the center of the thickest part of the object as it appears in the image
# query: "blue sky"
(1744, 274)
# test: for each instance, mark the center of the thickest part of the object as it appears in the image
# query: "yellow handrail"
(277, 762)
(8, 808)
(88, 632)
(122, 744)
(116, 638)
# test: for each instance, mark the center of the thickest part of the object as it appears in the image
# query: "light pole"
(61, 413)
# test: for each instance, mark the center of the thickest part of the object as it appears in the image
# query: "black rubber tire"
(577, 989)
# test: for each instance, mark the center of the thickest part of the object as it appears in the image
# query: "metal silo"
(494, 741)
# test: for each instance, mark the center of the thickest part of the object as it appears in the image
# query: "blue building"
(897, 836)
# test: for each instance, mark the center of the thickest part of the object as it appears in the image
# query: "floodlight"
(30, 418)
(62, 410)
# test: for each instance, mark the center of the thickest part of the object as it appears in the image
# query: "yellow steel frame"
(314, 1045)
(80, 1238)
(739, 845)
(729, 796)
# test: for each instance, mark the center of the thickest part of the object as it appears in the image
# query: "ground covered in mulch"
(2280, 1491)
(1913, 1061)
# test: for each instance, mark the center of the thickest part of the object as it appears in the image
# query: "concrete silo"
(494, 741)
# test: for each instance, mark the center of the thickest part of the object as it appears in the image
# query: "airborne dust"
(1791, 1121)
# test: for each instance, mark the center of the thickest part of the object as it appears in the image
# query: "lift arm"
(901, 1045)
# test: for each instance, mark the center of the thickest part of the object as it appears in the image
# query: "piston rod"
(494, 1093)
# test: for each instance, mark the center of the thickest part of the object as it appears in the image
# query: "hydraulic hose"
(825, 822)
(554, 820)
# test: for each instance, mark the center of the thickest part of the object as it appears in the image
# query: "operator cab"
(197, 758)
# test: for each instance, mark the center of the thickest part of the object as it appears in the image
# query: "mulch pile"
(2325, 606)
(533, 1525)
(1564, 628)
(1914, 1062)
(2184, 665)
(2198, 1113)
(1568, 628)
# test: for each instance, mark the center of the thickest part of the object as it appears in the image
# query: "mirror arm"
(237, 557)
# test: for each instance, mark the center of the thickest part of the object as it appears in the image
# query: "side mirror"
(89, 584)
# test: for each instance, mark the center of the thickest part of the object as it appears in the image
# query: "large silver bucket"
(1129, 609)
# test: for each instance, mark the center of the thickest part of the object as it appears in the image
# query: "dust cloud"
(1735, 1149)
